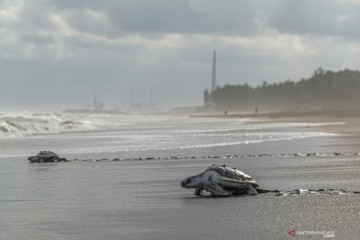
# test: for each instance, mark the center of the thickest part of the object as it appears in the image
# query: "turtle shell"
(45, 156)
(232, 177)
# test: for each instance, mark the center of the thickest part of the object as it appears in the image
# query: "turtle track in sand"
(299, 192)
(322, 191)
(280, 155)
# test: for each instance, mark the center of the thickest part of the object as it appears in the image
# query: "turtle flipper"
(216, 190)
(198, 191)
(251, 190)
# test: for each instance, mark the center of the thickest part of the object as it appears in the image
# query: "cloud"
(10, 10)
(320, 18)
(176, 16)
(71, 48)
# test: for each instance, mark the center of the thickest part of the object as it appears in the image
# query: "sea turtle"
(221, 180)
(46, 156)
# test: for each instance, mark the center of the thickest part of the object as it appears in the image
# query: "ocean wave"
(97, 133)
(18, 124)
(27, 123)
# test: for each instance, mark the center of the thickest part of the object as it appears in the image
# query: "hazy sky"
(57, 54)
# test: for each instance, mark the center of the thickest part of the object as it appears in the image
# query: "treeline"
(325, 89)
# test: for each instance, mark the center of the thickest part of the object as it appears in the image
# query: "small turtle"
(222, 181)
(46, 156)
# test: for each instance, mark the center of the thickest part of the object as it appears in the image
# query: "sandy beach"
(142, 199)
(346, 122)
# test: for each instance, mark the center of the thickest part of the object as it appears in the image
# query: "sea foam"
(27, 123)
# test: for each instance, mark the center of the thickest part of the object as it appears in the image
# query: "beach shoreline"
(345, 123)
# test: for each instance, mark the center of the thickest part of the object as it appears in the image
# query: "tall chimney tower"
(213, 75)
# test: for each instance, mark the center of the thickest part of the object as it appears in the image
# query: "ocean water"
(24, 134)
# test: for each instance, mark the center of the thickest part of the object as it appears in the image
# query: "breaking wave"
(27, 123)
(96, 133)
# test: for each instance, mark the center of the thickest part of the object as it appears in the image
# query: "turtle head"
(192, 182)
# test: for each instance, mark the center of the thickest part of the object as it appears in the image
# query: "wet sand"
(142, 199)
(346, 122)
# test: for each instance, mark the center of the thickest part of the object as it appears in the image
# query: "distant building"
(98, 106)
(213, 75)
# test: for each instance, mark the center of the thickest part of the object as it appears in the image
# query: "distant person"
(256, 111)
(225, 113)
